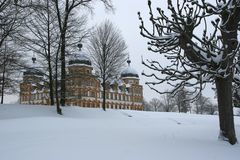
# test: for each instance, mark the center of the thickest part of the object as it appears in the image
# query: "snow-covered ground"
(37, 133)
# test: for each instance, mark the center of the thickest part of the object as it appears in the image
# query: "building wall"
(84, 89)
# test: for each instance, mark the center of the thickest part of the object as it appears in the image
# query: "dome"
(129, 71)
(80, 58)
(34, 69)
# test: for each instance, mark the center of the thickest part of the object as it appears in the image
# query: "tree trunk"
(224, 86)
(104, 95)
(3, 74)
(3, 80)
(226, 120)
(51, 94)
(63, 71)
(63, 29)
(59, 110)
(179, 107)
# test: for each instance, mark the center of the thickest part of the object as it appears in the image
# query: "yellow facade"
(84, 89)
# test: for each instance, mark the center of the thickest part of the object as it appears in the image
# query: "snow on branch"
(193, 61)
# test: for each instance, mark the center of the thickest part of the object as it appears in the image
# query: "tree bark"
(63, 28)
(63, 71)
(3, 79)
(59, 110)
(104, 95)
(51, 94)
(63, 31)
(3, 74)
(226, 120)
(224, 85)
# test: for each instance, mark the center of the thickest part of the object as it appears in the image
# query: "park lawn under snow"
(38, 133)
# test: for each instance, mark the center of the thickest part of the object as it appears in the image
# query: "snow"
(79, 65)
(220, 3)
(218, 58)
(80, 56)
(129, 70)
(236, 111)
(202, 53)
(37, 132)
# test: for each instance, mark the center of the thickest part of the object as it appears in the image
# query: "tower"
(32, 88)
(130, 77)
(82, 86)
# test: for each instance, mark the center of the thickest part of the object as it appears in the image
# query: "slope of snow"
(37, 133)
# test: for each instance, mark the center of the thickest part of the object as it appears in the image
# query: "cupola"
(80, 58)
(129, 71)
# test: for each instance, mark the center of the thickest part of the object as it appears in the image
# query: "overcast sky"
(126, 19)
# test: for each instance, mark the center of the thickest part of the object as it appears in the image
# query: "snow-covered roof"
(34, 68)
(80, 57)
(129, 72)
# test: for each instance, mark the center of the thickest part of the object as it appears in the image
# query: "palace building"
(83, 88)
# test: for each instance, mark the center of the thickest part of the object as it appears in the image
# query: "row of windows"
(137, 99)
(38, 96)
(84, 71)
(93, 84)
(138, 90)
(80, 83)
(116, 96)
(108, 105)
(24, 98)
(110, 96)
(81, 94)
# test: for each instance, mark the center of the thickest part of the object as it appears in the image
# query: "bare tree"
(65, 9)
(156, 104)
(182, 100)
(168, 102)
(147, 106)
(195, 61)
(211, 108)
(108, 51)
(9, 71)
(11, 17)
(201, 103)
(8, 18)
(42, 37)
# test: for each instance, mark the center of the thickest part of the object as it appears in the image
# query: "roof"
(129, 71)
(34, 69)
(80, 57)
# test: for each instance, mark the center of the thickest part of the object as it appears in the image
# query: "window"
(92, 94)
(111, 95)
(85, 93)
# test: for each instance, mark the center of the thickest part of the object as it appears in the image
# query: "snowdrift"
(38, 133)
